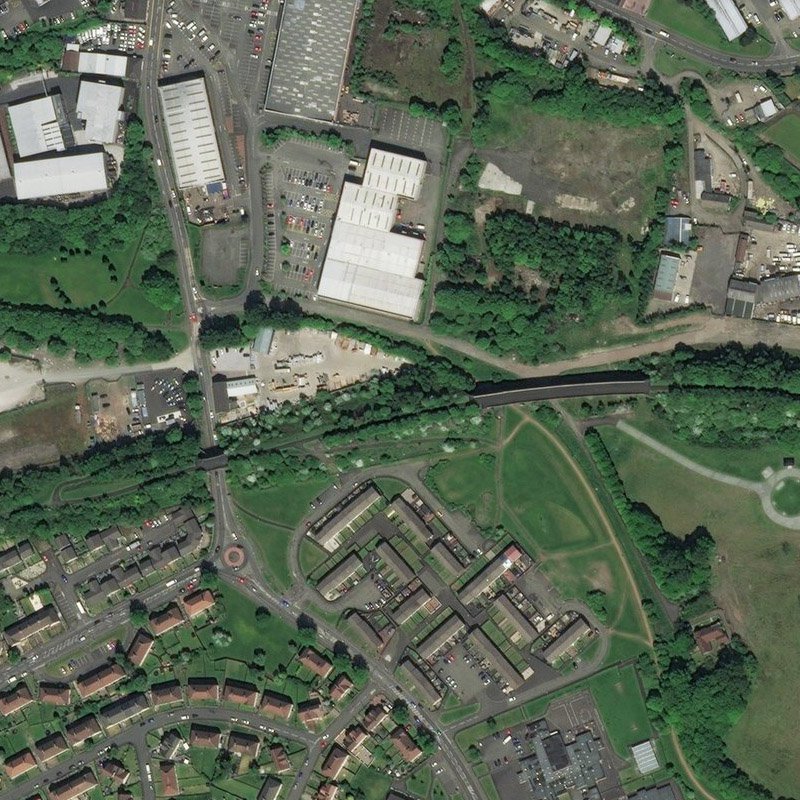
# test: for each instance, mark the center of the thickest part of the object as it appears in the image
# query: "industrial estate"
(399, 399)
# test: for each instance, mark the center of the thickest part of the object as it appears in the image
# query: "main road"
(779, 60)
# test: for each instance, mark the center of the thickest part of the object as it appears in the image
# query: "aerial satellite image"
(399, 399)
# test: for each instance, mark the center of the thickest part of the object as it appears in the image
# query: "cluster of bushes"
(271, 137)
(681, 567)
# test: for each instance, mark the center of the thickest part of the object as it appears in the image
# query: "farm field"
(568, 176)
(785, 133)
(756, 562)
(682, 19)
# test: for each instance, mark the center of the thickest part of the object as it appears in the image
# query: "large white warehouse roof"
(729, 18)
(190, 129)
(393, 173)
(36, 126)
(99, 106)
(791, 8)
(60, 175)
(114, 66)
(367, 264)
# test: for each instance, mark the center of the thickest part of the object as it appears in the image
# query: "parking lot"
(307, 180)
(396, 126)
(247, 32)
(461, 671)
(226, 254)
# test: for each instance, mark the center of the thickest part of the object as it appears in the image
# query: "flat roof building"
(99, 108)
(791, 8)
(369, 263)
(741, 298)
(645, 757)
(677, 230)
(566, 641)
(331, 583)
(729, 17)
(38, 125)
(489, 575)
(110, 64)
(440, 636)
(422, 683)
(61, 175)
(411, 605)
(310, 57)
(524, 631)
(395, 562)
(190, 131)
(327, 534)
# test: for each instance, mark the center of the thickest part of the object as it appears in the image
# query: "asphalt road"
(526, 391)
(779, 60)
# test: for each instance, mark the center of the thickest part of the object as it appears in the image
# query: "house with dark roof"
(243, 744)
(340, 688)
(169, 779)
(276, 705)
(15, 700)
(167, 692)
(280, 758)
(240, 692)
(51, 747)
(82, 729)
(56, 694)
(202, 689)
(204, 736)
(19, 763)
(99, 679)
(405, 745)
(140, 647)
(335, 762)
(310, 712)
(166, 619)
(316, 662)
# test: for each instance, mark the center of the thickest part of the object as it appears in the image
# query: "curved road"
(778, 60)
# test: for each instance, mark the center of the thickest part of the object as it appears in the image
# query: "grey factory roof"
(190, 130)
(729, 17)
(98, 107)
(310, 57)
(37, 124)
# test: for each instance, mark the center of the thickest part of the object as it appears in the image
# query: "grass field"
(669, 62)
(785, 133)
(786, 497)
(754, 573)
(467, 481)
(458, 713)
(271, 634)
(373, 784)
(85, 280)
(621, 705)
(270, 517)
(682, 19)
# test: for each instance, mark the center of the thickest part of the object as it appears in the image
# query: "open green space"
(785, 133)
(669, 62)
(311, 556)
(467, 481)
(458, 713)
(390, 487)
(595, 173)
(786, 497)
(95, 488)
(370, 783)
(685, 20)
(756, 562)
(86, 280)
(270, 516)
(621, 705)
(271, 633)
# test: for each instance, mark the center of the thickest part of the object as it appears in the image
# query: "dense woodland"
(158, 467)
(730, 396)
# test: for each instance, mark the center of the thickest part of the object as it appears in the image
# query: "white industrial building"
(791, 8)
(99, 108)
(190, 130)
(108, 64)
(36, 125)
(368, 264)
(241, 387)
(729, 18)
(54, 176)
